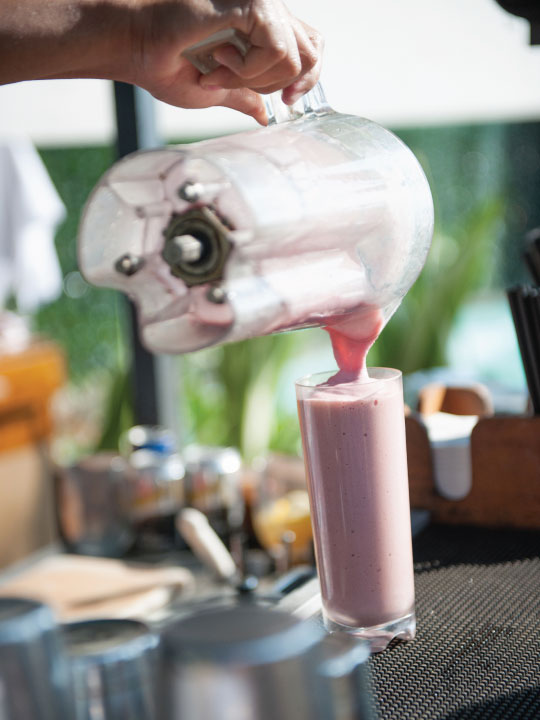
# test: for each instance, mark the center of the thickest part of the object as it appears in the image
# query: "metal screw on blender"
(128, 264)
(196, 192)
(191, 192)
(183, 248)
(216, 294)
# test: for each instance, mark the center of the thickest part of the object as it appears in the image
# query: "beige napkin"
(78, 587)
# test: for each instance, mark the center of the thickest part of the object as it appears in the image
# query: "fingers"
(310, 77)
(285, 54)
(248, 102)
(183, 90)
(273, 44)
(234, 74)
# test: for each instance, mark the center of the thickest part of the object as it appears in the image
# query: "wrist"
(99, 43)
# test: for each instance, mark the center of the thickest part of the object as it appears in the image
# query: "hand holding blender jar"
(321, 219)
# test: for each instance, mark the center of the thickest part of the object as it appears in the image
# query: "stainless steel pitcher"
(250, 662)
(34, 674)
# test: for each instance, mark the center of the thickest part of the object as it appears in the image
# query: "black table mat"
(477, 650)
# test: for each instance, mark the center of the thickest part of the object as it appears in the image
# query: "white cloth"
(30, 211)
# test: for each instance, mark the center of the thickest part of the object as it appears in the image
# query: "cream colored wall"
(26, 503)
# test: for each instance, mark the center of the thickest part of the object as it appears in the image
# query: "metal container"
(114, 669)
(253, 663)
(106, 502)
(94, 504)
(213, 486)
(344, 681)
(158, 485)
(34, 675)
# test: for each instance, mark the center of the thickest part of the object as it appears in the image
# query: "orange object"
(27, 382)
(285, 514)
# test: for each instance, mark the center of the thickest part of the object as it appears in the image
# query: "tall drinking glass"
(353, 436)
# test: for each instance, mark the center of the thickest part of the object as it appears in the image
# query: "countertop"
(477, 650)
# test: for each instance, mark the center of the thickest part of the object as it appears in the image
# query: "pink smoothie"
(353, 433)
(354, 447)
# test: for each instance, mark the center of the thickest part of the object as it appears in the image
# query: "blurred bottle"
(213, 486)
(159, 485)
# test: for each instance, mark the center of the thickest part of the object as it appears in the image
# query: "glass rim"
(314, 379)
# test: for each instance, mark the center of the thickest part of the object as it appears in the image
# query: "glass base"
(378, 636)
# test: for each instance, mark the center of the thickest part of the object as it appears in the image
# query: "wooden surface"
(505, 457)
(467, 400)
(420, 464)
(27, 382)
(506, 471)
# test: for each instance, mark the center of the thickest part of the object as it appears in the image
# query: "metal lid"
(22, 620)
(103, 642)
(243, 635)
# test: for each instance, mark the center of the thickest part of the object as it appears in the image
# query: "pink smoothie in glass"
(353, 432)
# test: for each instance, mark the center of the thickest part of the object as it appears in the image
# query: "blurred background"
(457, 81)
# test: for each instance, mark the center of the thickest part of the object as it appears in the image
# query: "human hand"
(284, 53)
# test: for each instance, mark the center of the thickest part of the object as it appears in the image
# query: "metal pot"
(34, 674)
(253, 663)
(113, 669)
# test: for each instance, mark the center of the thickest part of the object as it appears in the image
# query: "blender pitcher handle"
(201, 55)
(313, 102)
